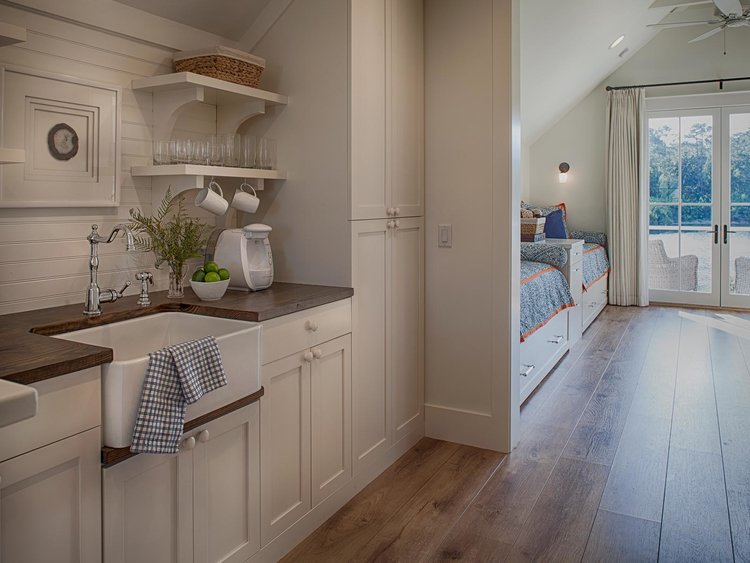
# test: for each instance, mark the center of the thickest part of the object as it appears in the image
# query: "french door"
(699, 204)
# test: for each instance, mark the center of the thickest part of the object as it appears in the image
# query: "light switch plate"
(445, 236)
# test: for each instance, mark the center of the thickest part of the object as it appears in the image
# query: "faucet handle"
(145, 276)
(124, 287)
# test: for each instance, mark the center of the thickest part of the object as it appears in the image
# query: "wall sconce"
(564, 168)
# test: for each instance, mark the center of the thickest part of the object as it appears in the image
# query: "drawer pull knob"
(188, 443)
(308, 356)
(312, 326)
(527, 369)
(204, 436)
(317, 353)
(556, 339)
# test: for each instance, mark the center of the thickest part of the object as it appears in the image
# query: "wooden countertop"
(28, 354)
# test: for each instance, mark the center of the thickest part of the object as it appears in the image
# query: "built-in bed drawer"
(544, 344)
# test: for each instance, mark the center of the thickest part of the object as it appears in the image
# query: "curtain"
(628, 281)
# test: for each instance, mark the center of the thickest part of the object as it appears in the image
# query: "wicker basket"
(223, 63)
(531, 227)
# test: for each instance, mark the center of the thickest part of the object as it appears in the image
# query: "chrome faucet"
(95, 296)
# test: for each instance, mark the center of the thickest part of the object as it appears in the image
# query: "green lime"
(211, 266)
(198, 275)
(223, 273)
(212, 277)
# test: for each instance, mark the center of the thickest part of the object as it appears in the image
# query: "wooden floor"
(636, 448)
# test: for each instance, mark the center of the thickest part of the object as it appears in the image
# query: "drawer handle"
(188, 443)
(204, 436)
(317, 353)
(312, 326)
(593, 305)
(577, 270)
(557, 339)
(527, 369)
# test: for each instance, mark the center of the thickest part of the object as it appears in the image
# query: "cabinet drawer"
(290, 334)
(543, 344)
(67, 405)
(576, 253)
(596, 294)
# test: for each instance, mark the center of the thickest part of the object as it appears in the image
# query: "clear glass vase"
(176, 281)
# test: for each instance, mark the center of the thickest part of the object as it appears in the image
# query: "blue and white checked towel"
(177, 376)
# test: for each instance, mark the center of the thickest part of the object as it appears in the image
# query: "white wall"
(578, 138)
(307, 54)
(471, 308)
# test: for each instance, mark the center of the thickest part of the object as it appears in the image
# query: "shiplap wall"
(43, 252)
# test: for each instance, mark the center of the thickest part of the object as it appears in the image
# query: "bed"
(596, 269)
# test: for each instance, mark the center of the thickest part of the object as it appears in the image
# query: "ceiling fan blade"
(728, 7)
(683, 24)
(708, 34)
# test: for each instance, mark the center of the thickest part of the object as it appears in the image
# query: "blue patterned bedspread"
(544, 293)
(595, 264)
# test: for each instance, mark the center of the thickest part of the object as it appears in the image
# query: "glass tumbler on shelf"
(184, 151)
(200, 152)
(161, 152)
(247, 155)
(266, 159)
(230, 144)
(214, 151)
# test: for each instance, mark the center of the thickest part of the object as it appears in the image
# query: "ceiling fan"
(728, 13)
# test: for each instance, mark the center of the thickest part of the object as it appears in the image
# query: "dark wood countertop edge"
(113, 456)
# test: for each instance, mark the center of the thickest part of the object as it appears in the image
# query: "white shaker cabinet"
(388, 346)
(201, 504)
(50, 502)
(306, 432)
(387, 109)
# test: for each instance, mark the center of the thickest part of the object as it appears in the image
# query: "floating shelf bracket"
(229, 117)
(169, 105)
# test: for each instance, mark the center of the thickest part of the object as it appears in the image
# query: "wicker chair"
(671, 273)
(742, 275)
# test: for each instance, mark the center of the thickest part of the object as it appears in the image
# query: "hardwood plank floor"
(635, 448)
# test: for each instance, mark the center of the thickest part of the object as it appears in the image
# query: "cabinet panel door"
(50, 502)
(227, 487)
(285, 445)
(406, 110)
(330, 384)
(368, 109)
(370, 377)
(148, 509)
(406, 324)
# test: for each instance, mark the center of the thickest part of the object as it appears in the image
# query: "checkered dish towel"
(177, 376)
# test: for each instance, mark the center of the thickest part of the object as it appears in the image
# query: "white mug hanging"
(211, 198)
(244, 201)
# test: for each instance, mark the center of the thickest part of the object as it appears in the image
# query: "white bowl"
(210, 291)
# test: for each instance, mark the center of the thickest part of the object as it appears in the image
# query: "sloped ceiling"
(227, 18)
(565, 52)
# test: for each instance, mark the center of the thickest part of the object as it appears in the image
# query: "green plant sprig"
(171, 234)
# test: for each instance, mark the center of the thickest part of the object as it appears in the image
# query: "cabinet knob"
(188, 443)
(312, 326)
(396, 224)
(396, 211)
(204, 436)
(317, 353)
(390, 211)
(308, 356)
(391, 224)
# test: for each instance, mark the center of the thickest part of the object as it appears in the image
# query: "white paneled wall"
(43, 252)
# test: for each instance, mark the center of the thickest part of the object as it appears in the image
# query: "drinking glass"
(200, 152)
(266, 154)
(161, 152)
(215, 156)
(230, 144)
(184, 151)
(247, 155)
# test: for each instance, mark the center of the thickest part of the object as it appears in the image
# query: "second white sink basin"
(131, 342)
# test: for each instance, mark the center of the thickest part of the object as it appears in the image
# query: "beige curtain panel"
(625, 111)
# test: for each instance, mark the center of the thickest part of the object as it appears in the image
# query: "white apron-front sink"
(131, 342)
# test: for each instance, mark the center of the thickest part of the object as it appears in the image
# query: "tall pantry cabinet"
(387, 225)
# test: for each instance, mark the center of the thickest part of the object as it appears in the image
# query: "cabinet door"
(407, 327)
(406, 109)
(285, 444)
(368, 109)
(226, 486)
(148, 509)
(50, 502)
(330, 384)
(370, 377)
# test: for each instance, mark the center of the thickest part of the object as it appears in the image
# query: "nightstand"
(573, 271)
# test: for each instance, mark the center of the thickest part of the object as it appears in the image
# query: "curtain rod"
(721, 82)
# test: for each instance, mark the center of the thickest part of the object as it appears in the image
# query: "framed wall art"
(69, 129)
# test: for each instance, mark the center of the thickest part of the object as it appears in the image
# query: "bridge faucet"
(95, 296)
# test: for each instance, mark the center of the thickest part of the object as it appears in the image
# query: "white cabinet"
(387, 113)
(573, 271)
(201, 504)
(306, 431)
(388, 346)
(50, 502)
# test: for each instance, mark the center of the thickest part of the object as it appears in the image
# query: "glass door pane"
(738, 231)
(681, 208)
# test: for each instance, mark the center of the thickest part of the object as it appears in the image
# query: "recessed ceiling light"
(617, 41)
(624, 52)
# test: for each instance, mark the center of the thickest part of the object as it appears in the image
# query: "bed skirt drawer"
(594, 300)
(541, 351)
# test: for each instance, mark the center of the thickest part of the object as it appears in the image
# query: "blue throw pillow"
(554, 227)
